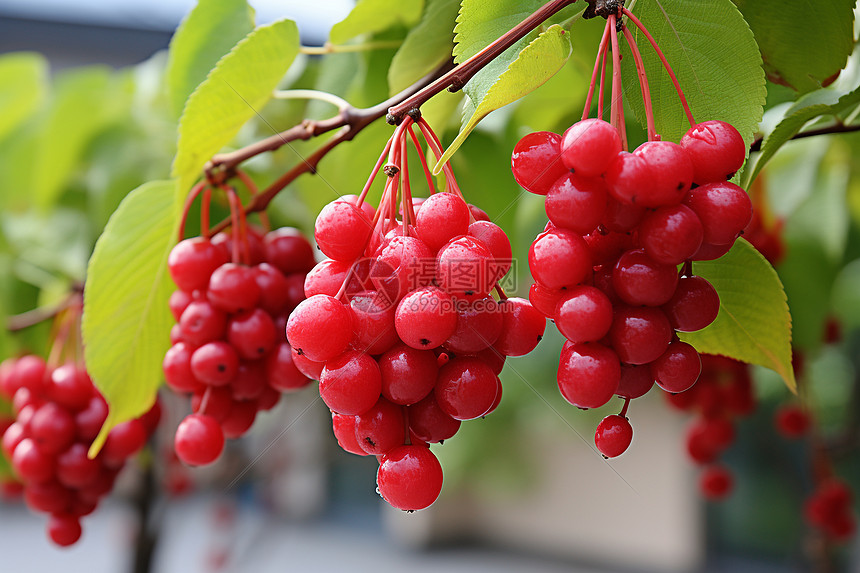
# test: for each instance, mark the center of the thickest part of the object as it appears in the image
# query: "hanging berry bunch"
(58, 414)
(230, 352)
(400, 325)
(620, 225)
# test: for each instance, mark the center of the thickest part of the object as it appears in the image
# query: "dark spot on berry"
(300, 352)
(730, 175)
(424, 342)
(441, 442)
(261, 350)
(410, 511)
(540, 337)
(605, 457)
(680, 185)
(221, 368)
(371, 442)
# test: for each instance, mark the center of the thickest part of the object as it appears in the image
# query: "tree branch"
(827, 130)
(457, 77)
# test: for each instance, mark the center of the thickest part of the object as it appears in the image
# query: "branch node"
(603, 9)
(391, 170)
(414, 114)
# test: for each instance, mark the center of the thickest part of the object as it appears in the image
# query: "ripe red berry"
(590, 146)
(631, 180)
(716, 150)
(465, 266)
(639, 280)
(192, 261)
(351, 383)
(282, 373)
(408, 374)
(233, 288)
(320, 327)
(215, 363)
(373, 322)
(576, 203)
(288, 250)
(639, 334)
(694, 305)
(716, 483)
(672, 170)
(442, 217)
(724, 210)
(635, 381)
(588, 374)
(559, 259)
(678, 368)
(425, 318)
(545, 300)
(381, 428)
(64, 530)
(466, 388)
(429, 422)
(326, 278)
(199, 440)
(479, 325)
(522, 327)
(584, 314)
(671, 235)
(252, 334)
(792, 421)
(409, 477)
(613, 436)
(536, 161)
(342, 231)
(343, 427)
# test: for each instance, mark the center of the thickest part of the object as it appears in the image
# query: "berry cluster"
(400, 326)
(605, 268)
(229, 349)
(723, 393)
(58, 415)
(829, 510)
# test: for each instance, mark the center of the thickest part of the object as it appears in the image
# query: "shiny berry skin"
(606, 246)
(429, 422)
(215, 363)
(199, 440)
(635, 381)
(589, 147)
(320, 327)
(588, 374)
(466, 388)
(497, 241)
(233, 288)
(409, 477)
(274, 289)
(326, 278)
(252, 334)
(442, 217)
(716, 150)
(639, 334)
(177, 368)
(306, 366)
(584, 314)
(629, 178)
(559, 259)
(622, 217)
(381, 428)
(123, 441)
(281, 370)
(678, 368)
(343, 427)
(479, 325)
(75, 469)
(709, 252)
(52, 428)
(545, 300)
(694, 305)
(239, 420)
(288, 251)
(425, 318)
(30, 463)
(202, 322)
(716, 483)
(792, 421)
(351, 383)
(64, 530)
(342, 231)
(671, 235)
(522, 327)
(69, 386)
(576, 203)
(724, 210)
(672, 170)
(408, 374)
(465, 266)
(192, 261)
(402, 264)
(536, 161)
(373, 322)
(639, 280)
(613, 436)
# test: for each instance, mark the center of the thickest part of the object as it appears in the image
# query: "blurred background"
(525, 490)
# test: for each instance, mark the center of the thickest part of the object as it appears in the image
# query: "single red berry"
(465, 266)
(716, 483)
(545, 300)
(199, 440)
(672, 169)
(442, 217)
(288, 250)
(635, 381)
(202, 322)
(429, 422)
(30, 463)
(409, 477)
(52, 428)
(320, 327)
(724, 210)
(588, 374)
(792, 421)
(408, 374)
(343, 427)
(274, 289)
(559, 259)
(215, 363)
(576, 203)
(425, 318)
(64, 530)
(192, 261)
(622, 217)
(678, 368)
(631, 180)
(342, 231)
(640, 280)
(351, 383)
(589, 147)
(671, 235)
(466, 388)
(373, 322)
(252, 334)
(716, 150)
(536, 161)
(123, 441)
(74, 469)
(613, 436)
(495, 239)
(522, 327)
(694, 305)
(584, 314)
(479, 325)
(381, 428)
(326, 278)
(177, 369)
(240, 419)
(640, 334)
(233, 288)
(281, 370)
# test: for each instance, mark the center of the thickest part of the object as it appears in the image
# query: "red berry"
(635, 381)
(233, 288)
(281, 370)
(320, 327)
(373, 322)
(75, 469)
(613, 436)
(429, 422)
(724, 210)
(30, 463)
(495, 239)
(589, 147)
(584, 314)
(716, 483)
(123, 441)
(52, 428)
(678, 368)
(351, 383)
(252, 334)
(408, 375)
(64, 530)
(192, 261)
(631, 180)
(465, 266)
(671, 235)
(545, 300)
(466, 388)
(479, 325)
(343, 427)
(342, 231)
(202, 322)
(694, 305)
(522, 327)
(442, 217)
(716, 150)
(326, 278)
(559, 259)
(639, 280)
(672, 170)
(425, 318)
(215, 363)
(381, 428)
(409, 477)
(536, 161)
(288, 250)
(792, 421)
(639, 334)
(177, 369)
(576, 203)
(588, 374)
(199, 440)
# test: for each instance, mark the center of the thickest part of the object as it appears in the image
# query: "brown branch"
(33, 317)
(827, 130)
(457, 78)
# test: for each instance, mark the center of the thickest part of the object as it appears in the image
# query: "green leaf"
(241, 84)
(802, 43)
(126, 318)
(374, 16)
(84, 101)
(207, 33)
(23, 83)
(754, 324)
(809, 107)
(715, 57)
(427, 46)
(536, 64)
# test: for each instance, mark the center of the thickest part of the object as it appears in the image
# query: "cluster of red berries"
(605, 268)
(829, 510)
(418, 343)
(58, 415)
(230, 351)
(723, 393)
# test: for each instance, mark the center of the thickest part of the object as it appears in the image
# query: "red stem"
(623, 412)
(666, 65)
(616, 101)
(601, 51)
(427, 174)
(234, 218)
(602, 83)
(192, 195)
(643, 83)
(204, 212)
